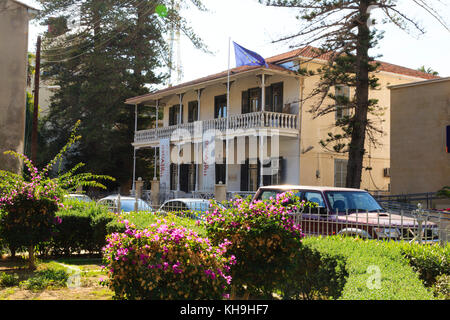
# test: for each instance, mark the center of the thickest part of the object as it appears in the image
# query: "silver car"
(127, 204)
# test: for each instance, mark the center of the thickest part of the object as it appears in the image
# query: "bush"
(441, 287)
(28, 202)
(164, 261)
(319, 274)
(47, 278)
(8, 280)
(429, 261)
(376, 270)
(28, 221)
(263, 238)
(83, 227)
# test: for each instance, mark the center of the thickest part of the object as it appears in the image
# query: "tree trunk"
(359, 121)
(31, 258)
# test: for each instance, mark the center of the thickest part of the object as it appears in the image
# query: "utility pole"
(34, 134)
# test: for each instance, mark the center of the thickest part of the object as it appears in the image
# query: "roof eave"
(152, 97)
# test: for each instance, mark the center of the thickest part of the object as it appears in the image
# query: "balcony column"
(180, 121)
(261, 139)
(134, 156)
(197, 146)
(157, 124)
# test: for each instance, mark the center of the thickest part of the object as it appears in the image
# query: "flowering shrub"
(165, 261)
(28, 203)
(264, 239)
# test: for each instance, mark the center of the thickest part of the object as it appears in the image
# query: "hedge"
(376, 270)
(83, 227)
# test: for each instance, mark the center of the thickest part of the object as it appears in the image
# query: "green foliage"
(28, 222)
(28, 203)
(318, 274)
(98, 67)
(164, 261)
(444, 192)
(441, 288)
(376, 270)
(44, 279)
(263, 238)
(83, 227)
(8, 280)
(429, 261)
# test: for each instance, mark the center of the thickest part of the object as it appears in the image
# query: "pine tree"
(101, 53)
(345, 32)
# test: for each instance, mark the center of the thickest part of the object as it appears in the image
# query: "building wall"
(317, 164)
(420, 114)
(308, 163)
(13, 70)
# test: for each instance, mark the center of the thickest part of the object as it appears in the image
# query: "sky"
(255, 27)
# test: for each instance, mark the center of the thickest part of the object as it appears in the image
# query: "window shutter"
(245, 104)
(269, 99)
(244, 176)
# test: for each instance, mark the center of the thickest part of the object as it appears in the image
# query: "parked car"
(199, 206)
(351, 212)
(126, 203)
(79, 197)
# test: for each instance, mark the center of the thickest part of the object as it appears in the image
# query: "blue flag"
(246, 57)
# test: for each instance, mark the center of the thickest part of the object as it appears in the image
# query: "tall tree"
(101, 53)
(344, 31)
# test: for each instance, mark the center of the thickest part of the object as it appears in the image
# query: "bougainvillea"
(29, 201)
(165, 261)
(264, 239)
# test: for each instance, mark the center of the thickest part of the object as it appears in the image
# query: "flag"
(245, 57)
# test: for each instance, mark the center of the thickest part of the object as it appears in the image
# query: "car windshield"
(352, 201)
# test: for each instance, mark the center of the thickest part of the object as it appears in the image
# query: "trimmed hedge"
(376, 270)
(429, 261)
(83, 227)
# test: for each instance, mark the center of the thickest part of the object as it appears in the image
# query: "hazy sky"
(255, 26)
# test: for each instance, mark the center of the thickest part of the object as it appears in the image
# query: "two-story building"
(264, 134)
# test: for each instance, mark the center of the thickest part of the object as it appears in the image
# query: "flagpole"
(228, 111)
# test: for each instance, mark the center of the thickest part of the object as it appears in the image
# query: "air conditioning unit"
(387, 172)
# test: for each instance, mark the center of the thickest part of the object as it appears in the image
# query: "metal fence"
(399, 221)
(413, 226)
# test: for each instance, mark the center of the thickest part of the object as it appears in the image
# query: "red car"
(344, 211)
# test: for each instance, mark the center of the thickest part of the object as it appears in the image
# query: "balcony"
(247, 124)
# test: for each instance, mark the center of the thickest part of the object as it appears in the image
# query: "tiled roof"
(212, 77)
(307, 52)
(311, 52)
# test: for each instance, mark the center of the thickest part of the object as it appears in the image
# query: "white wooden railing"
(286, 123)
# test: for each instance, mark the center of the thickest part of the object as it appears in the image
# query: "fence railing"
(413, 226)
(256, 120)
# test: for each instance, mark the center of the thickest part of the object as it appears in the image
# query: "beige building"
(420, 116)
(265, 113)
(14, 18)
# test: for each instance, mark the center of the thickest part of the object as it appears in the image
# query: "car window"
(267, 194)
(202, 206)
(174, 206)
(315, 197)
(352, 201)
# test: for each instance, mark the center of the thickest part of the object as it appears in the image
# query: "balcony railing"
(285, 124)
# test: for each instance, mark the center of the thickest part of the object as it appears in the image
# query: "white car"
(127, 204)
(199, 206)
(79, 197)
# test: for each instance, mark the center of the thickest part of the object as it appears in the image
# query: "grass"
(51, 278)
